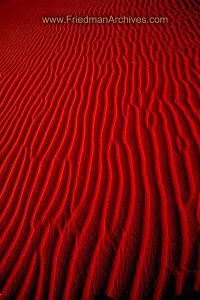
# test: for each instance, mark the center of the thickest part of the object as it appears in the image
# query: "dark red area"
(99, 152)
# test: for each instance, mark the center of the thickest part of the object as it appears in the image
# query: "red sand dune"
(99, 152)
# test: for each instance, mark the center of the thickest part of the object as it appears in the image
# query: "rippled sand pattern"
(99, 152)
